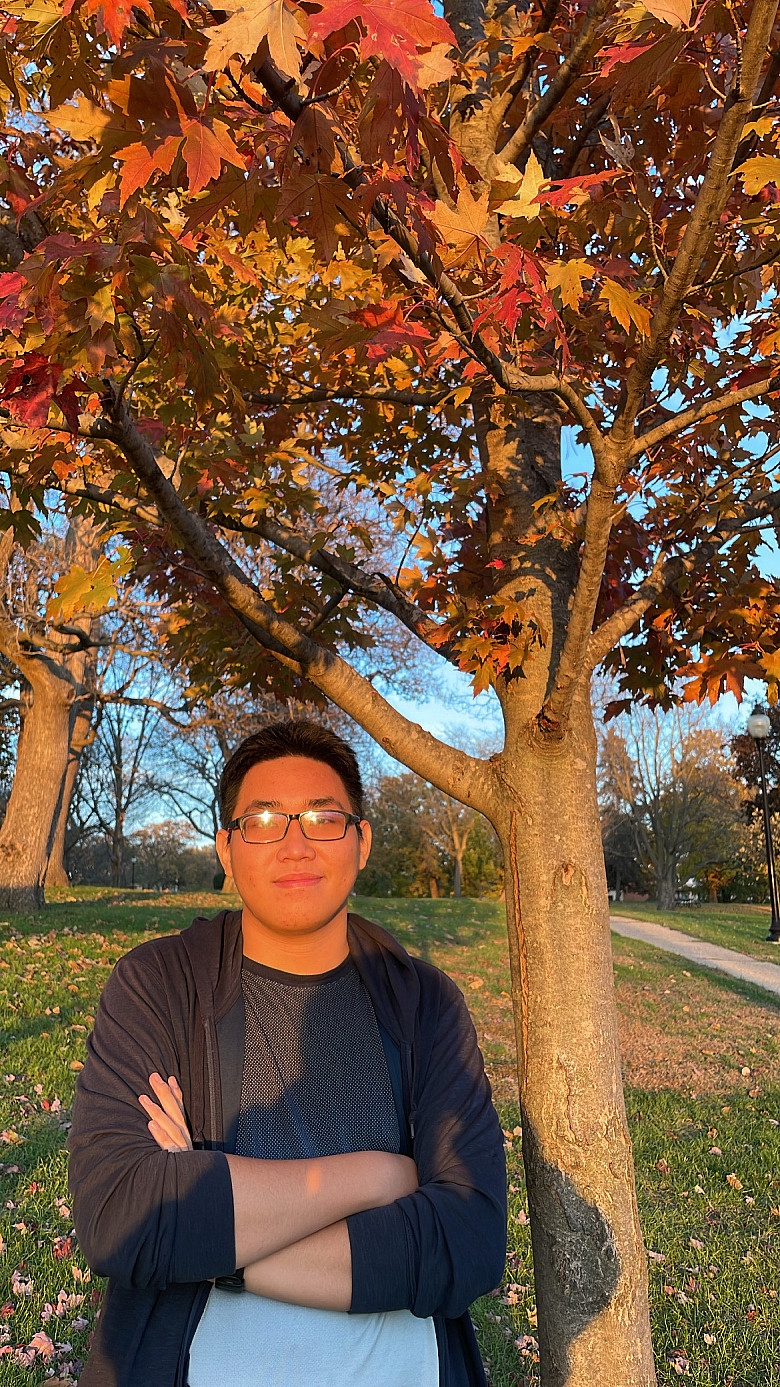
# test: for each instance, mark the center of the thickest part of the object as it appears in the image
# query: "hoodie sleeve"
(437, 1250)
(146, 1217)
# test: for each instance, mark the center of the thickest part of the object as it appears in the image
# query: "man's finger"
(167, 1099)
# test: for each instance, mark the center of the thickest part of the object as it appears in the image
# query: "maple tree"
(264, 257)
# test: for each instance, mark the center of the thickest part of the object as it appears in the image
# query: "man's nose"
(294, 843)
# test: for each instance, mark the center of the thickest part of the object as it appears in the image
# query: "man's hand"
(167, 1120)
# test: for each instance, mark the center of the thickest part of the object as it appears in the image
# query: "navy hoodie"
(159, 1224)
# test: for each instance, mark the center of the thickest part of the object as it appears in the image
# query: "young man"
(284, 1155)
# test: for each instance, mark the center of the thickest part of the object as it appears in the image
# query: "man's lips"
(298, 879)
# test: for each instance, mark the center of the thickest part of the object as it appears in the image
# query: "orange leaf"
(140, 163)
(677, 13)
(245, 30)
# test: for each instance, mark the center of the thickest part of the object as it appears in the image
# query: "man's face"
(295, 886)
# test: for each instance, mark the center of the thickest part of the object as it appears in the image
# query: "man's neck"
(310, 952)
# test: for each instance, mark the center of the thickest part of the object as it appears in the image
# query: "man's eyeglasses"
(270, 826)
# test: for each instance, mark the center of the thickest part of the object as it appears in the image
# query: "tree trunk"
(433, 887)
(457, 882)
(589, 1260)
(81, 722)
(667, 889)
(42, 756)
(118, 850)
(712, 890)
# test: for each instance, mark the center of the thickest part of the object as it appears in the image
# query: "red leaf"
(68, 401)
(30, 388)
(112, 16)
(393, 29)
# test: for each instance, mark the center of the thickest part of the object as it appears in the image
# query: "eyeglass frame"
(238, 823)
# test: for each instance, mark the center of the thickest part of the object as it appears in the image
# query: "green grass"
(740, 927)
(716, 1242)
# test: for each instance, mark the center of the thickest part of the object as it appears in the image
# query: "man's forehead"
(275, 784)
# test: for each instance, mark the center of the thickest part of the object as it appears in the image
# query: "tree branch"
(372, 587)
(703, 220)
(667, 570)
(598, 524)
(520, 142)
(453, 771)
(501, 104)
(718, 404)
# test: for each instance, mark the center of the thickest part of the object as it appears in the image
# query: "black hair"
(296, 737)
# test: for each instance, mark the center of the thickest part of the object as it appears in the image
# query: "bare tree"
(670, 775)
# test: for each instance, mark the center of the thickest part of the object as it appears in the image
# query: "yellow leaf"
(624, 307)
(757, 172)
(462, 226)
(771, 663)
(81, 590)
(522, 204)
(84, 121)
(567, 277)
(245, 30)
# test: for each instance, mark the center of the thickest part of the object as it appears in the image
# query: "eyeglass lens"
(317, 824)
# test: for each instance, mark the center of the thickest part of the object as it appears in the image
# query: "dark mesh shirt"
(315, 1080)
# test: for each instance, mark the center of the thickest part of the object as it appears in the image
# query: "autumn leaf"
(625, 308)
(112, 16)
(272, 21)
(461, 227)
(323, 205)
(524, 203)
(395, 30)
(567, 277)
(756, 173)
(140, 163)
(30, 387)
(84, 590)
(204, 149)
(84, 121)
(677, 13)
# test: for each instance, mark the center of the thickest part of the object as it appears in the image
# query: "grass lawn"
(703, 1082)
(740, 927)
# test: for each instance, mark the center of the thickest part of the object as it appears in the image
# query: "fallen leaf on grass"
(736, 1184)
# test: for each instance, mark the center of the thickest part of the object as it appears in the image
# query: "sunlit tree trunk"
(42, 757)
(589, 1261)
(80, 726)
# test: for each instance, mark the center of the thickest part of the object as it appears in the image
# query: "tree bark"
(667, 890)
(589, 1261)
(80, 724)
(42, 757)
(457, 883)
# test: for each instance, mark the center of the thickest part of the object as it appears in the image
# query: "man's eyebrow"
(327, 803)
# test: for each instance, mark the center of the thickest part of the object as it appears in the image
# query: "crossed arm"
(299, 1250)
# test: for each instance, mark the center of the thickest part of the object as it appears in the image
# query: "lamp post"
(132, 878)
(759, 727)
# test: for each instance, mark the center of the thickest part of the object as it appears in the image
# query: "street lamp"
(759, 727)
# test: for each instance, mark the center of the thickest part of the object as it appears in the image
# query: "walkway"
(766, 975)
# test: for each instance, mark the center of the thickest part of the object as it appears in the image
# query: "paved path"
(766, 975)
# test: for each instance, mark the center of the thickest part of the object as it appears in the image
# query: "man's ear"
(365, 842)
(223, 851)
